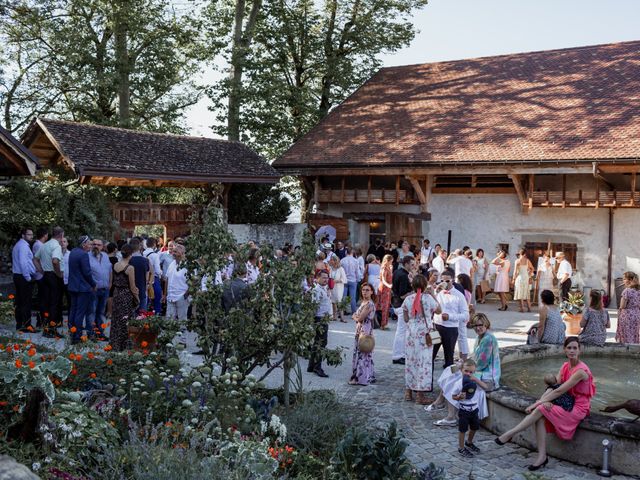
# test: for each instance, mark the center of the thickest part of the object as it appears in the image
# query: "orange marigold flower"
(108, 348)
(11, 296)
(31, 352)
(52, 324)
(109, 362)
(1, 347)
(72, 356)
(103, 325)
(16, 347)
(73, 329)
(18, 363)
(74, 371)
(30, 328)
(144, 344)
(78, 357)
(32, 364)
(84, 338)
(90, 356)
(57, 381)
(93, 375)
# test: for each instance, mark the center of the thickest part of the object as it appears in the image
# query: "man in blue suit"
(81, 287)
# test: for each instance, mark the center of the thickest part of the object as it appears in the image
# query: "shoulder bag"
(432, 337)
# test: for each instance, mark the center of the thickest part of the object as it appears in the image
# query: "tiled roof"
(561, 105)
(96, 149)
(15, 158)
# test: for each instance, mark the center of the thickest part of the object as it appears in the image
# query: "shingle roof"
(100, 150)
(15, 158)
(571, 104)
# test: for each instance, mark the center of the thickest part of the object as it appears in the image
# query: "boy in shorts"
(468, 419)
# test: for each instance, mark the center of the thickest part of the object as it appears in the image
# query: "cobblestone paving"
(384, 402)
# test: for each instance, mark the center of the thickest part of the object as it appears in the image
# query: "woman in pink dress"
(628, 330)
(577, 380)
(501, 286)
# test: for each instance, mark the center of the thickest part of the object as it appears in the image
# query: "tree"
(257, 204)
(307, 58)
(113, 62)
(273, 326)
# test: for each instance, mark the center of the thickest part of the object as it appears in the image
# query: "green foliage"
(257, 204)
(308, 56)
(139, 53)
(432, 472)
(48, 201)
(273, 325)
(360, 456)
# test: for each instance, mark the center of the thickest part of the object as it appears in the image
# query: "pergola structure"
(110, 156)
(15, 159)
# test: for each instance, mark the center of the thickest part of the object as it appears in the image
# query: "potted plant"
(144, 330)
(571, 310)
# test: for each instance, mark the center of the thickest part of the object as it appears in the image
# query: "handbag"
(366, 343)
(431, 337)
(331, 284)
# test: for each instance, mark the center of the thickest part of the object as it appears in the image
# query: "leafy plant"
(432, 472)
(360, 456)
(574, 303)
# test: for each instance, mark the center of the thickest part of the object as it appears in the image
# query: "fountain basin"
(507, 405)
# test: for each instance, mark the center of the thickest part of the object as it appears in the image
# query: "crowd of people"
(97, 281)
(433, 296)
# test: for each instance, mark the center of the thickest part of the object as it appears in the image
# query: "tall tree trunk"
(123, 65)
(241, 43)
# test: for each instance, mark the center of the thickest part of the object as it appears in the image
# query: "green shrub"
(359, 456)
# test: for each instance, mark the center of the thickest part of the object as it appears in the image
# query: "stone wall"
(274, 234)
(484, 221)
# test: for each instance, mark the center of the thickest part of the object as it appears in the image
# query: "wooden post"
(428, 185)
(397, 189)
(531, 185)
(316, 192)
(519, 191)
(564, 190)
(342, 191)
(633, 189)
(597, 192)
(368, 189)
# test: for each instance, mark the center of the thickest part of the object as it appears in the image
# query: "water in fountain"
(617, 379)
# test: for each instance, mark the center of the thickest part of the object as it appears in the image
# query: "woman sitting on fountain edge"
(577, 380)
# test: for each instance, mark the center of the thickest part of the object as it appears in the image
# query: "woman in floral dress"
(362, 364)
(418, 309)
(383, 301)
(125, 300)
(628, 330)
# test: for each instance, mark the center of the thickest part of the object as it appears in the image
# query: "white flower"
(148, 363)
(196, 384)
(78, 420)
(48, 437)
(48, 460)
(35, 467)
(187, 403)
(76, 434)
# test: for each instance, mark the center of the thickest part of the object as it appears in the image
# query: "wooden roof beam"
(522, 196)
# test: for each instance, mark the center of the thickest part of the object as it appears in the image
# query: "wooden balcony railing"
(366, 196)
(581, 198)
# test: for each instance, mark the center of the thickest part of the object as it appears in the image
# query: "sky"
(457, 29)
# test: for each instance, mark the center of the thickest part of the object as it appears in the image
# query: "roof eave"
(185, 177)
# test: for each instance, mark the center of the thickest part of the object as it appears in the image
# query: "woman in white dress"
(545, 275)
(339, 277)
(481, 274)
(372, 271)
(501, 286)
(522, 272)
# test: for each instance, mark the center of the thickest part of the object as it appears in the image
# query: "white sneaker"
(433, 407)
(445, 423)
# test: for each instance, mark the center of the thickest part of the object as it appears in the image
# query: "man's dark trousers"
(24, 292)
(52, 301)
(564, 289)
(319, 342)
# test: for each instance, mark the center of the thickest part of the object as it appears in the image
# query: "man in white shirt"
(325, 308)
(351, 268)
(154, 259)
(426, 252)
(563, 275)
(455, 312)
(439, 261)
(460, 263)
(177, 287)
(253, 272)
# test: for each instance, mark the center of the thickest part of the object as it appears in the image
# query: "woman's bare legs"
(526, 422)
(451, 411)
(503, 299)
(541, 442)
